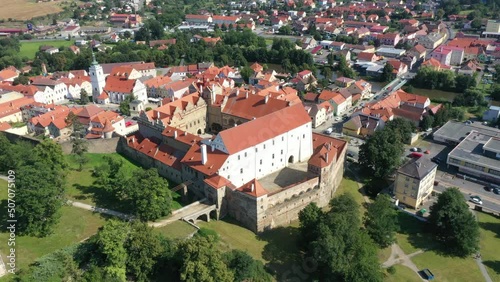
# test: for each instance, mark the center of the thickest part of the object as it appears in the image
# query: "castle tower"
(97, 78)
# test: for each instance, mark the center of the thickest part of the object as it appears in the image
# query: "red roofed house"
(367, 57)
(304, 80)
(8, 75)
(400, 68)
(225, 20)
(117, 88)
(198, 19)
(125, 20)
(391, 39)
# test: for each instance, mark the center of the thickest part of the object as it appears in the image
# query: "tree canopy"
(381, 221)
(454, 224)
(342, 250)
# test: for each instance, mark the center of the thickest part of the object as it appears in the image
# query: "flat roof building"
(453, 132)
(478, 154)
(390, 52)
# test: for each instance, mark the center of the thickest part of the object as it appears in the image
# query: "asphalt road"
(490, 200)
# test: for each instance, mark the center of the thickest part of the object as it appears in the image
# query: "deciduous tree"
(454, 224)
(381, 221)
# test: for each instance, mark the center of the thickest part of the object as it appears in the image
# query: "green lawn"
(411, 236)
(436, 94)
(465, 12)
(447, 268)
(350, 186)
(80, 183)
(29, 49)
(403, 274)
(490, 243)
(74, 226)
(177, 230)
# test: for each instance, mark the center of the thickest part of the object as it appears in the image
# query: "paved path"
(399, 257)
(101, 210)
(485, 274)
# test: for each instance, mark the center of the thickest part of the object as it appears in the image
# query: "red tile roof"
(253, 188)
(252, 106)
(264, 128)
(217, 181)
(326, 149)
(118, 84)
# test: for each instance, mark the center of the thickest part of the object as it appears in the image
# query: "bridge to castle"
(203, 211)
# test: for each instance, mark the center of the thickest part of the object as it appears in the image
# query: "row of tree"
(445, 80)
(122, 251)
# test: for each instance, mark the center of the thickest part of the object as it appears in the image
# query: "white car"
(476, 200)
(329, 131)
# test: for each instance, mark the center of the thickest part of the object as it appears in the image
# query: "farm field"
(27, 9)
(29, 49)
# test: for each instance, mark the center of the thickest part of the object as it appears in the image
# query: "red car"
(416, 155)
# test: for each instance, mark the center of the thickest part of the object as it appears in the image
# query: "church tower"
(97, 78)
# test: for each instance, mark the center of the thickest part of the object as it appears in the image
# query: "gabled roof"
(417, 168)
(216, 181)
(252, 106)
(274, 124)
(326, 150)
(118, 84)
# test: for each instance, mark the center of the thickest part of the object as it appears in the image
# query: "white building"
(117, 89)
(282, 137)
(54, 91)
(75, 87)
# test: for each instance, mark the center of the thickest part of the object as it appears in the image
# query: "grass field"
(465, 12)
(412, 236)
(403, 274)
(74, 226)
(29, 49)
(350, 186)
(80, 183)
(490, 244)
(28, 9)
(449, 268)
(176, 230)
(436, 94)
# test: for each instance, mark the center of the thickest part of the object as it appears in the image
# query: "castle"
(261, 165)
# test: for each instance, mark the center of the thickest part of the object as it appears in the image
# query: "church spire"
(94, 61)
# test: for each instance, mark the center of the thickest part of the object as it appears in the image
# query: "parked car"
(415, 155)
(496, 191)
(488, 188)
(419, 149)
(476, 200)
(413, 149)
(329, 131)
(349, 154)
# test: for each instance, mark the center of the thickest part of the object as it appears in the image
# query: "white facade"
(139, 92)
(97, 79)
(52, 95)
(75, 90)
(266, 157)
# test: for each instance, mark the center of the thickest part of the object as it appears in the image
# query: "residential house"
(308, 43)
(361, 125)
(8, 74)
(75, 86)
(361, 87)
(435, 65)
(469, 68)
(56, 90)
(432, 40)
(319, 113)
(367, 57)
(390, 38)
(118, 88)
(337, 46)
(305, 80)
(156, 86)
(409, 60)
(337, 100)
(400, 68)
(456, 55)
(344, 81)
(418, 51)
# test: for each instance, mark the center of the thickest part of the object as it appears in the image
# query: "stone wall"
(98, 146)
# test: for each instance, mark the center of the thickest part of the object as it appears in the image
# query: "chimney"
(52, 117)
(175, 134)
(326, 157)
(133, 140)
(266, 99)
(203, 154)
(246, 95)
(157, 115)
(253, 187)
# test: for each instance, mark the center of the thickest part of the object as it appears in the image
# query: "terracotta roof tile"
(253, 188)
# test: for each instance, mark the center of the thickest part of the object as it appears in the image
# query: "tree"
(246, 72)
(381, 152)
(201, 261)
(286, 30)
(143, 250)
(125, 105)
(454, 224)
(427, 122)
(381, 221)
(39, 197)
(470, 98)
(22, 79)
(439, 14)
(244, 267)
(343, 251)
(110, 245)
(387, 73)
(79, 148)
(344, 69)
(402, 129)
(84, 97)
(476, 23)
(151, 203)
(495, 92)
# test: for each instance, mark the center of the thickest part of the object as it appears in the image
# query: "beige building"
(415, 181)
(493, 26)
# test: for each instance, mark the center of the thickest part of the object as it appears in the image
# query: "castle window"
(261, 161)
(238, 157)
(241, 170)
(273, 142)
(273, 156)
(264, 146)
